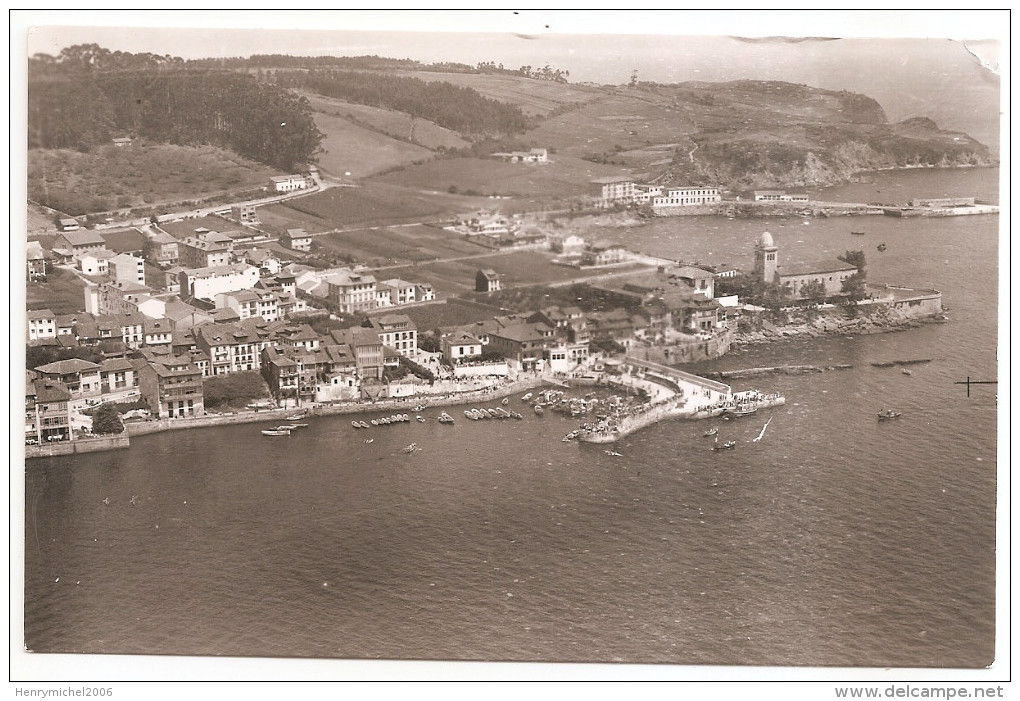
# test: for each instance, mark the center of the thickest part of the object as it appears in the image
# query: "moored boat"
(539, 410)
(275, 432)
(728, 445)
(887, 414)
(355, 424)
(711, 432)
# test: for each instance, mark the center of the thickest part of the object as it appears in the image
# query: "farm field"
(398, 125)
(386, 246)
(371, 205)
(349, 148)
(563, 178)
(533, 97)
(117, 178)
(454, 312)
(62, 293)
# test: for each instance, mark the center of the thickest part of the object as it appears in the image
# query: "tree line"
(457, 108)
(87, 95)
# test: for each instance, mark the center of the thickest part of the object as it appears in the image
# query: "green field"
(62, 293)
(563, 178)
(377, 204)
(533, 97)
(398, 125)
(349, 148)
(388, 246)
(113, 178)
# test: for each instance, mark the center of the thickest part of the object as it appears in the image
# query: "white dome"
(766, 240)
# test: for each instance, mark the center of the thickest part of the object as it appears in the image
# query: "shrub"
(106, 420)
(237, 386)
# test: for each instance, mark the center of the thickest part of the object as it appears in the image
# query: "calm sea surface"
(836, 540)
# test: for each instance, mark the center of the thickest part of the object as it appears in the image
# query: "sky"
(944, 65)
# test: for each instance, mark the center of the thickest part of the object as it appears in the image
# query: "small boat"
(275, 432)
(355, 424)
(526, 397)
(296, 417)
(711, 432)
(363, 424)
(539, 410)
(420, 418)
(728, 445)
(907, 372)
(517, 415)
(470, 415)
(409, 448)
(857, 233)
(742, 412)
(506, 400)
(887, 414)
(375, 422)
(445, 418)
(614, 453)
(287, 427)
(881, 247)
(369, 440)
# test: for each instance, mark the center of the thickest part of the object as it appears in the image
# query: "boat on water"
(857, 233)
(728, 445)
(741, 411)
(506, 400)
(363, 424)
(296, 417)
(711, 432)
(539, 410)
(471, 415)
(420, 418)
(516, 415)
(409, 448)
(907, 372)
(369, 440)
(526, 397)
(275, 432)
(881, 247)
(445, 418)
(613, 453)
(887, 414)
(356, 424)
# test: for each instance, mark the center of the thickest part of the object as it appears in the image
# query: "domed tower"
(766, 255)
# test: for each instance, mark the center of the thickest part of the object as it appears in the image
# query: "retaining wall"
(84, 445)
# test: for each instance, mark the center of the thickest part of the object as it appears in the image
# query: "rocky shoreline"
(886, 322)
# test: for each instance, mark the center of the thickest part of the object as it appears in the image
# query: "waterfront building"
(80, 377)
(367, 348)
(613, 190)
(116, 375)
(699, 280)
(231, 347)
(171, 387)
(675, 199)
(831, 274)
(47, 411)
(604, 253)
(524, 344)
(461, 346)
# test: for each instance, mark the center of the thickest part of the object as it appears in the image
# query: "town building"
(126, 267)
(245, 214)
(42, 323)
(231, 347)
(351, 292)
(831, 274)
(699, 280)
(604, 253)
(367, 348)
(613, 190)
(778, 196)
(523, 344)
(297, 240)
(162, 249)
(117, 297)
(204, 252)
(264, 260)
(68, 224)
(206, 283)
(395, 292)
(535, 155)
(423, 292)
(47, 412)
(488, 280)
(95, 263)
(157, 333)
(398, 332)
(171, 387)
(460, 347)
(567, 244)
(676, 199)
(36, 259)
(116, 375)
(78, 243)
(249, 303)
(288, 183)
(121, 141)
(80, 377)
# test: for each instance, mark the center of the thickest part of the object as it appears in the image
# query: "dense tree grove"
(88, 95)
(461, 109)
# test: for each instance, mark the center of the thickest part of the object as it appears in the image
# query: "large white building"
(289, 183)
(206, 283)
(125, 267)
(676, 198)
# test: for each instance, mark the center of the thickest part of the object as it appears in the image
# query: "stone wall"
(686, 352)
(84, 445)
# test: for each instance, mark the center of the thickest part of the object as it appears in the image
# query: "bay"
(836, 540)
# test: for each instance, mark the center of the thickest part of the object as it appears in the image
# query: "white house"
(125, 267)
(289, 183)
(206, 283)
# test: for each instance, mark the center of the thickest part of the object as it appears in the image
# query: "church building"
(767, 268)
